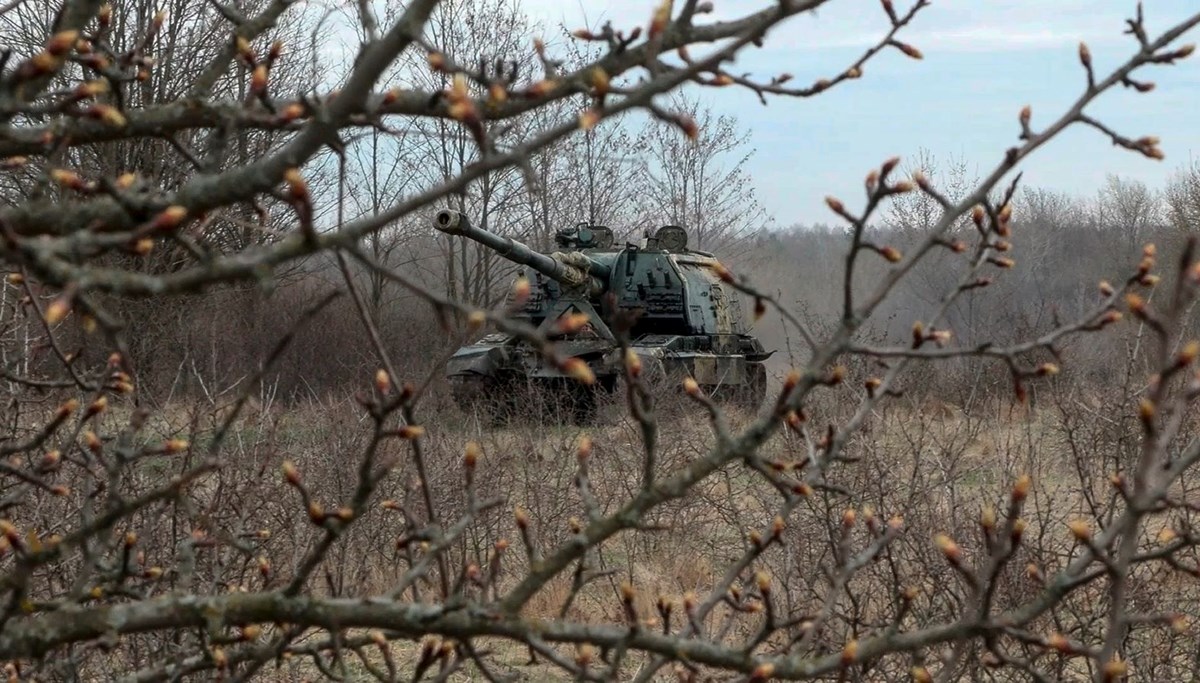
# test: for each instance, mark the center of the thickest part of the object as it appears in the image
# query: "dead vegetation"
(227, 452)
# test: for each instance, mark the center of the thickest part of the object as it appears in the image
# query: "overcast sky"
(984, 60)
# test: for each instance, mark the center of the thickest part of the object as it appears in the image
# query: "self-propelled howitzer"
(687, 322)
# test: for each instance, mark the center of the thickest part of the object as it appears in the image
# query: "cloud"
(983, 26)
(971, 38)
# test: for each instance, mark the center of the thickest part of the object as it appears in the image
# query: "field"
(936, 465)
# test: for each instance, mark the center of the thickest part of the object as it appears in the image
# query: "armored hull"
(686, 322)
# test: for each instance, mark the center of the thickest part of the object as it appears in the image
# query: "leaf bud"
(1179, 623)
(258, 79)
(850, 653)
(410, 432)
(1058, 641)
(1146, 410)
(836, 375)
(96, 407)
(1115, 669)
(627, 592)
(297, 187)
(58, 310)
(108, 115)
(578, 369)
(62, 42)
(1080, 529)
(763, 581)
(723, 272)
(588, 119)
(170, 217)
(68, 179)
(949, 548)
(762, 672)
(1188, 353)
(290, 474)
(1018, 529)
(660, 18)
(1021, 488)
(633, 363)
(69, 406)
(541, 88)
(295, 110)
(910, 50)
(51, 459)
(572, 322)
(790, 382)
(600, 80)
(987, 517)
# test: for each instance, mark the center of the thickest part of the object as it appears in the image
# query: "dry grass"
(934, 464)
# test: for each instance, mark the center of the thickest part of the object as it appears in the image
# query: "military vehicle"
(686, 322)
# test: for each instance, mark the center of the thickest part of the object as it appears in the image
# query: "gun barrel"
(456, 223)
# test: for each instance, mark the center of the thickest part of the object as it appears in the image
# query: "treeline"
(1062, 248)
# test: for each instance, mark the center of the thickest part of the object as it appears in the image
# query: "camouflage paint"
(689, 322)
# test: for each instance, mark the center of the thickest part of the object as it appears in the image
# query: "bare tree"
(836, 533)
(702, 183)
(1182, 197)
(481, 37)
(1128, 207)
